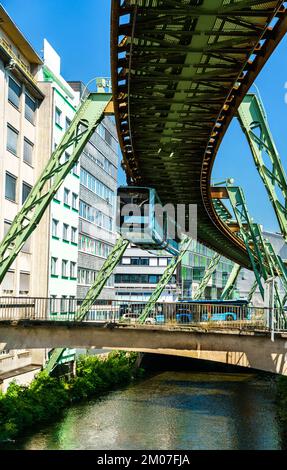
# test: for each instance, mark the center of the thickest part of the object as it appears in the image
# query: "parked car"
(134, 317)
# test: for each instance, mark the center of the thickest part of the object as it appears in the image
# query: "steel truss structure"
(81, 129)
(231, 282)
(185, 244)
(254, 124)
(180, 71)
(207, 276)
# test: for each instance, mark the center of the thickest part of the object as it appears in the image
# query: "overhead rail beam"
(177, 67)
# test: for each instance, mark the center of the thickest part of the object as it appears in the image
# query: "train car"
(141, 221)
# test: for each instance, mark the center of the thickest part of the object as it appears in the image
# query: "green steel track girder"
(228, 289)
(102, 277)
(81, 129)
(254, 124)
(92, 294)
(264, 260)
(245, 223)
(164, 280)
(207, 276)
(252, 290)
(54, 359)
(270, 259)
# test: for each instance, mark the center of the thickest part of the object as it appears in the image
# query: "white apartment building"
(64, 209)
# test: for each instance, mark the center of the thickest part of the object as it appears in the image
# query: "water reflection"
(173, 410)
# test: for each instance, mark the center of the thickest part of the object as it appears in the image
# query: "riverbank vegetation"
(46, 398)
(282, 407)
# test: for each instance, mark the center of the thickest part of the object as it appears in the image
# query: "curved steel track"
(180, 69)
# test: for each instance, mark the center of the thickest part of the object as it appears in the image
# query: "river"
(171, 410)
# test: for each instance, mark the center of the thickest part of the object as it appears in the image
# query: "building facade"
(138, 274)
(61, 106)
(194, 264)
(23, 158)
(97, 204)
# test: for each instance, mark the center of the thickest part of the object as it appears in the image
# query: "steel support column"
(81, 129)
(102, 277)
(164, 280)
(207, 276)
(228, 289)
(254, 124)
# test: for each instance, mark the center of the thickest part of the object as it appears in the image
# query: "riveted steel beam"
(207, 276)
(254, 124)
(102, 277)
(231, 282)
(81, 129)
(165, 278)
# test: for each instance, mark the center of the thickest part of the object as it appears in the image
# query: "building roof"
(10, 28)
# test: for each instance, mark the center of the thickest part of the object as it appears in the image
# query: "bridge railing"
(165, 314)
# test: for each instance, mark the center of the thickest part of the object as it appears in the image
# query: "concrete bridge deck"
(243, 346)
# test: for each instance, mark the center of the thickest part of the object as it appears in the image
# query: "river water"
(171, 410)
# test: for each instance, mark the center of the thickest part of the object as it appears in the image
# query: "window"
(65, 232)
(74, 201)
(55, 224)
(88, 180)
(64, 304)
(26, 189)
(76, 169)
(101, 130)
(8, 283)
(58, 117)
(10, 187)
(12, 139)
(67, 197)
(162, 261)
(54, 266)
(153, 262)
(24, 283)
(68, 123)
(73, 270)
(28, 151)
(30, 109)
(14, 92)
(53, 304)
(65, 268)
(74, 232)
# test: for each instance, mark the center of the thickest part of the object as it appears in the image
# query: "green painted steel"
(264, 260)
(54, 359)
(245, 223)
(228, 289)
(221, 210)
(180, 71)
(254, 123)
(92, 294)
(164, 280)
(82, 128)
(207, 276)
(102, 277)
(252, 291)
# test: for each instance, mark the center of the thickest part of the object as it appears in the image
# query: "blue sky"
(79, 31)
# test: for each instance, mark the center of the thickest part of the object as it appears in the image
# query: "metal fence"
(176, 314)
